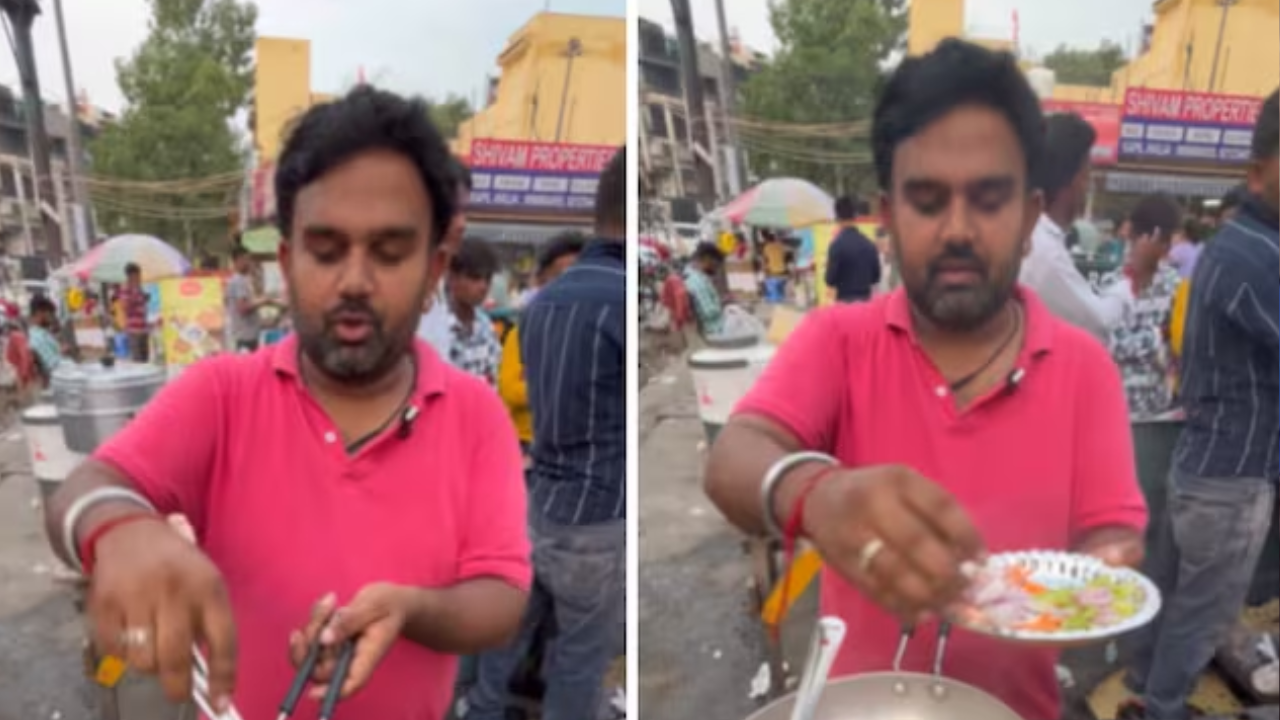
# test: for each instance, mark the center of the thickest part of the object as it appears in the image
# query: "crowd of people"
(427, 519)
(1003, 385)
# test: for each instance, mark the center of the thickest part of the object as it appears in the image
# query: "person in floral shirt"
(1139, 343)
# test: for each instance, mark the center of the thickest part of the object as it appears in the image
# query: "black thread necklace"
(963, 382)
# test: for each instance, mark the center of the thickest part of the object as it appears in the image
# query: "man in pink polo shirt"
(963, 417)
(345, 483)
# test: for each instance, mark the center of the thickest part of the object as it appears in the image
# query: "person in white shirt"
(435, 325)
(1048, 269)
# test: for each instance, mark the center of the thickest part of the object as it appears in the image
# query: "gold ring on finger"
(868, 554)
(135, 637)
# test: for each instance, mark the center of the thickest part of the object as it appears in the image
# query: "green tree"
(450, 113)
(182, 88)
(829, 64)
(1078, 66)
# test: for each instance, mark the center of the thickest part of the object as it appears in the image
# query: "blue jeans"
(579, 583)
(1203, 561)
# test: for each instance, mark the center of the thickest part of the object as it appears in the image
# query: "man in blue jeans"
(1222, 488)
(573, 342)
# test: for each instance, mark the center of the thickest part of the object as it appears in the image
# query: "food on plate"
(1007, 600)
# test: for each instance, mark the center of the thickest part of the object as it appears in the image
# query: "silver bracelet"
(773, 478)
(82, 505)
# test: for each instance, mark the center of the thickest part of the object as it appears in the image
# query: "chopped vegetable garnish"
(1010, 601)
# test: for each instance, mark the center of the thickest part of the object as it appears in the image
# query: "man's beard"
(961, 308)
(354, 364)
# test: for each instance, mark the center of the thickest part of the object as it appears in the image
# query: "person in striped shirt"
(1226, 465)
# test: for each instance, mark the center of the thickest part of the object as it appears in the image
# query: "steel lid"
(97, 375)
(730, 358)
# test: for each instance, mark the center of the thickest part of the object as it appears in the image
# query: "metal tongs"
(828, 636)
(200, 689)
(200, 683)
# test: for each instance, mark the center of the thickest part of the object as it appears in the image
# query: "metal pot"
(96, 400)
(899, 695)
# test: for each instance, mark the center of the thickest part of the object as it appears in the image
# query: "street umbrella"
(105, 263)
(781, 203)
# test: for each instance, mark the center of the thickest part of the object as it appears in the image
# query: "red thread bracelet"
(791, 533)
(88, 546)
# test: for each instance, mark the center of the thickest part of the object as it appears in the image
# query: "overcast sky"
(431, 47)
(1045, 23)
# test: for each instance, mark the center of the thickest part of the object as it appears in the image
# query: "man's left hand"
(374, 618)
(1117, 547)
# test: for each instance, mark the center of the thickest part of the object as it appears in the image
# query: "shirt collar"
(431, 369)
(1039, 322)
(1255, 207)
(1047, 225)
(604, 249)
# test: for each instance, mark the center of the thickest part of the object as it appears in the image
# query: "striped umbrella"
(781, 203)
(156, 259)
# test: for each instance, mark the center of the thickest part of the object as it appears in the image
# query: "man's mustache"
(957, 257)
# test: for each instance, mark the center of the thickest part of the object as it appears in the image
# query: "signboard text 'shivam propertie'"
(1187, 126)
(536, 177)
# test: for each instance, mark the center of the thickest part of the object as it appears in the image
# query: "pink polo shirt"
(1035, 466)
(239, 446)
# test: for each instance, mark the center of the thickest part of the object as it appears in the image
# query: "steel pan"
(898, 695)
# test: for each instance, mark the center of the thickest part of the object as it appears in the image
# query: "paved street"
(42, 674)
(701, 644)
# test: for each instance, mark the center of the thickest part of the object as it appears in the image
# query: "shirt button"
(941, 390)
(331, 437)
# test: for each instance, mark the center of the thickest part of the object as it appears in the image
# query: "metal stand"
(108, 699)
(766, 572)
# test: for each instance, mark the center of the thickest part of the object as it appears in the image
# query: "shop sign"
(1105, 120)
(536, 177)
(1187, 126)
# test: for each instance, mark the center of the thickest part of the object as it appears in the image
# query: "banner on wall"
(1105, 120)
(536, 177)
(1187, 126)
(192, 319)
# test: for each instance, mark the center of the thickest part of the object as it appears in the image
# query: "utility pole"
(571, 53)
(82, 209)
(22, 15)
(695, 106)
(736, 173)
(1217, 49)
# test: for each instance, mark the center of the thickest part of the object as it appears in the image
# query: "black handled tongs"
(300, 681)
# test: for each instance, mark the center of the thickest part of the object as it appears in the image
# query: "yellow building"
(929, 22)
(1184, 45)
(282, 90)
(563, 79)
(1247, 59)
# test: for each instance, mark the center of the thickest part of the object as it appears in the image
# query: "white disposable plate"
(1055, 570)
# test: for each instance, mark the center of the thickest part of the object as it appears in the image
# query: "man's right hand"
(895, 535)
(152, 596)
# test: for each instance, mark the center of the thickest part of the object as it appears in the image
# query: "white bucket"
(722, 376)
(51, 461)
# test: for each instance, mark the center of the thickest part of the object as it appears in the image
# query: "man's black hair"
(1153, 212)
(1233, 199)
(40, 304)
(611, 193)
(1068, 140)
(569, 243)
(461, 173)
(132, 269)
(708, 251)
(238, 251)
(956, 73)
(846, 208)
(365, 119)
(1266, 132)
(475, 258)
